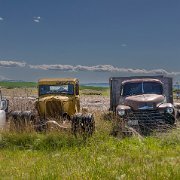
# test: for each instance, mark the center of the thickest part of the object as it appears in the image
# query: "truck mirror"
(3, 104)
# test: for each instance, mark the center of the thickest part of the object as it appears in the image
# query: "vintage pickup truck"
(58, 103)
(143, 103)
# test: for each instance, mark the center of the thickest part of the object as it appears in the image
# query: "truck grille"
(150, 117)
(53, 109)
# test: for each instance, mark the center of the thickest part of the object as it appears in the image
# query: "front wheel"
(170, 119)
(83, 124)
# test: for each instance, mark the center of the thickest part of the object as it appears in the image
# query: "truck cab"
(58, 97)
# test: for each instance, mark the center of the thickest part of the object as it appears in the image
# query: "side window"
(121, 90)
(77, 89)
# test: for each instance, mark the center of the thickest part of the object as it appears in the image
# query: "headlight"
(121, 112)
(170, 110)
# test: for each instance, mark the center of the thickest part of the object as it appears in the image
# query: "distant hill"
(22, 84)
(96, 84)
(11, 80)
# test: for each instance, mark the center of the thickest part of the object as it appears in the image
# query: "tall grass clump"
(34, 141)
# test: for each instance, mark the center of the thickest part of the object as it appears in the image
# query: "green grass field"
(11, 85)
(61, 156)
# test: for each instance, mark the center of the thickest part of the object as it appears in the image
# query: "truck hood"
(53, 98)
(52, 106)
(144, 101)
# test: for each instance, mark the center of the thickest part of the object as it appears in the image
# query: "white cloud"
(80, 68)
(9, 64)
(102, 68)
(58, 67)
(1, 19)
(37, 19)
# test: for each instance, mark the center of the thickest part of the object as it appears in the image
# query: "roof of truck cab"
(141, 80)
(57, 80)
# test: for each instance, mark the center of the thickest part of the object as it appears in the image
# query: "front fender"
(122, 107)
(165, 105)
(170, 118)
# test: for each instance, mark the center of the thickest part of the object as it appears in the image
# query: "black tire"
(170, 120)
(89, 124)
(74, 125)
(83, 124)
(22, 120)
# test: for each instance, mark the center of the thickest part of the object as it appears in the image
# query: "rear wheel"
(22, 120)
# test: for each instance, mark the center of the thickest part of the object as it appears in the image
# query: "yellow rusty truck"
(58, 99)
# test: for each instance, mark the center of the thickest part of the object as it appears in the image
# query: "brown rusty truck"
(143, 103)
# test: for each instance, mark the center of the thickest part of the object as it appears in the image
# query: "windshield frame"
(142, 88)
(56, 93)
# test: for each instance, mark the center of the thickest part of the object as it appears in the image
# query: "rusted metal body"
(116, 84)
(58, 103)
(143, 101)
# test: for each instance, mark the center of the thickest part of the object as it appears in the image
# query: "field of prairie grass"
(59, 155)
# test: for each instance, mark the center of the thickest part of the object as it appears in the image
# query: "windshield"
(56, 89)
(142, 88)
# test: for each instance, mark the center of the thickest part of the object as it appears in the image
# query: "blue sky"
(39, 37)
